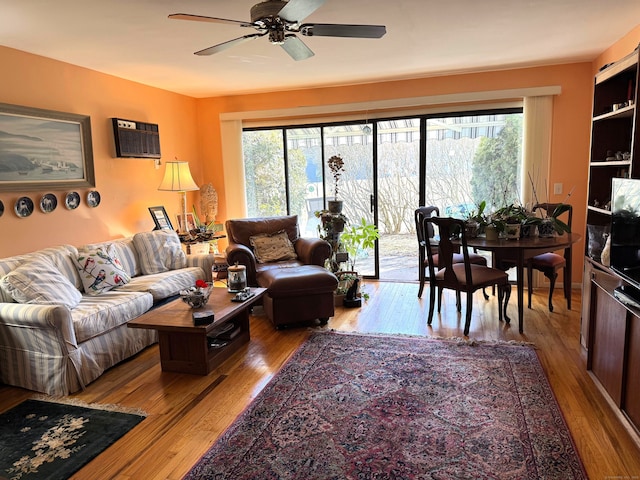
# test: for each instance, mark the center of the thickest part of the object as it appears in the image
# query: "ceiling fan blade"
(298, 10)
(200, 18)
(225, 45)
(340, 30)
(296, 48)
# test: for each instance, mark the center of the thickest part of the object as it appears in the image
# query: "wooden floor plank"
(186, 413)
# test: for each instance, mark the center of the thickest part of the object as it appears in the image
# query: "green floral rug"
(45, 440)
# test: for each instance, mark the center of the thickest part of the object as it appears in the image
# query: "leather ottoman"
(298, 294)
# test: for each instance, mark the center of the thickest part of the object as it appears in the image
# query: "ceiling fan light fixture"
(276, 37)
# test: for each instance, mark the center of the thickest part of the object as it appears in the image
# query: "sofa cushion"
(39, 281)
(159, 251)
(60, 257)
(165, 284)
(100, 270)
(272, 247)
(96, 315)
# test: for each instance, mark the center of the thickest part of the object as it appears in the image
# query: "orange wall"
(620, 49)
(127, 186)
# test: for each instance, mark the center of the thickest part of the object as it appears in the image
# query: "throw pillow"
(100, 270)
(39, 281)
(159, 251)
(272, 247)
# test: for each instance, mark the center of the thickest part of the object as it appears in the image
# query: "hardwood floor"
(186, 413)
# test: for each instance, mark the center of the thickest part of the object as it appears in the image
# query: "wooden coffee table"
(186, 348)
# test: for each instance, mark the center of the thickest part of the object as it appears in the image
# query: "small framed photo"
(189, 225)
(160, 218)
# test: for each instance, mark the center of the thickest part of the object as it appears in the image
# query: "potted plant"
(510, 218)
(550, 224)
(336, 165)
(476, 220)
(330, 228)
(357, 238)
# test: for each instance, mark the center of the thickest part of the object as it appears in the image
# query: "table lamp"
(177, 178)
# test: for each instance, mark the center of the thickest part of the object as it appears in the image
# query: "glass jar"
(237, 278)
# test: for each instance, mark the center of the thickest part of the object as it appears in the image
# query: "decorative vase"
(334, 206)
(196, 298)
(472, 229)
(527, 230)
(491, 233)
(546, 229)
(237, 278)
(512, 231)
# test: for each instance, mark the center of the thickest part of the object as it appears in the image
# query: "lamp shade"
(177, 178)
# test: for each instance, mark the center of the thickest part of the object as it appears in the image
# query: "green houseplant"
(551, 224)
(357, 238)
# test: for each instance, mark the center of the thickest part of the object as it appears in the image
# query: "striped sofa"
(59, 338)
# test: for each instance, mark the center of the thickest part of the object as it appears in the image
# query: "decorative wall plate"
(23, 207)
(72, 200)
(93, 198)
(48, 203)
(1, 208)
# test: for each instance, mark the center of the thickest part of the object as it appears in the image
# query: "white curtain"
(536, 148)
(233, 165)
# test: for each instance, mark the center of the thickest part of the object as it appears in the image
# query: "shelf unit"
(610, 330)
(613, 132)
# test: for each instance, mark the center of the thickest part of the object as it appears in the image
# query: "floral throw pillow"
(272, 247)
(100, 270)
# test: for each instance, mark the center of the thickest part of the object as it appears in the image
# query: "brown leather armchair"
(298, 290)
(310, 251)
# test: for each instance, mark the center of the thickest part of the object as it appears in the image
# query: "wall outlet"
(557, 188)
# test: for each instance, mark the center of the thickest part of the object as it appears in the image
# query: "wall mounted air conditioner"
(136, 139)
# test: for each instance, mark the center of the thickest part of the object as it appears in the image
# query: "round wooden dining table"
(518, 251)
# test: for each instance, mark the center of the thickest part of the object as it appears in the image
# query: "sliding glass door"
(392, 166)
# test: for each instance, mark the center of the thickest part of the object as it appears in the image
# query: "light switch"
(557, 188)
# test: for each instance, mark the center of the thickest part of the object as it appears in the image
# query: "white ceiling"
(135, 40)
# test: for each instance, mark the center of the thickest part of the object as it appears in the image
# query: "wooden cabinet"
(631, 398)
(610, 331)
(607, 334)
(614, 345)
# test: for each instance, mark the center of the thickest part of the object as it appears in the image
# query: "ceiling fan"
(281, 20)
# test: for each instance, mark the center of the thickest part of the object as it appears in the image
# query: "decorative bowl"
(196, 297)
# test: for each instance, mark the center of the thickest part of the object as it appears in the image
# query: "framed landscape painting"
(44, 149)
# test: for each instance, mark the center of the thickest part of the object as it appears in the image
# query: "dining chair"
(549, 263)
(461, 277)
(425, 234)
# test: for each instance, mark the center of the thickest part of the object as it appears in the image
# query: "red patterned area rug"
(349, 406)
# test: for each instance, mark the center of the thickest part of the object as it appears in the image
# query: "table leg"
(520, 282)
(567, 276)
